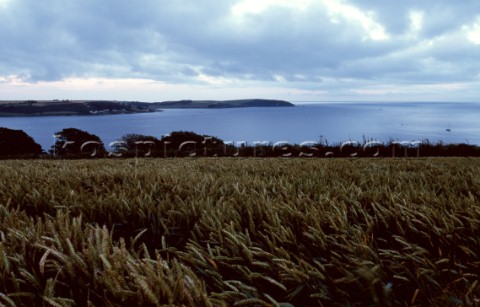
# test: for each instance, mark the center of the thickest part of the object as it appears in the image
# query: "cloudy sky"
(297, 50)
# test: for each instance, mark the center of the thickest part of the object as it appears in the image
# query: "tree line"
(76, 143)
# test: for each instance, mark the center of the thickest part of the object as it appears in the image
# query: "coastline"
(38, 108)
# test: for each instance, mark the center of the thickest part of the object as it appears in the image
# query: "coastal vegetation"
(240, 232)
(76, 143)
(70, 107)
(102, 107)
(71, 142)
(17, 144)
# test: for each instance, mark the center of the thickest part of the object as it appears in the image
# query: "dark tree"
(175, 144)
(76, 143)
(16, 144)
(137, 145)
(185, 143)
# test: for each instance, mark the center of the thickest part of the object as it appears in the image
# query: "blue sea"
(307, 122)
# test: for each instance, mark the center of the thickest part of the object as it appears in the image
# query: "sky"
(295, 50)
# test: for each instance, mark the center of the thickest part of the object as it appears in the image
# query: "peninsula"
(240, 103)
(99, 107)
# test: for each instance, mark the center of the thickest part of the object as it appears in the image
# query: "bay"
(307, 122)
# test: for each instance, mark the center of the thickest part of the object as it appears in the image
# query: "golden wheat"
(245, 232)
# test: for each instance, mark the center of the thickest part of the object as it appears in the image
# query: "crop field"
(240, 232)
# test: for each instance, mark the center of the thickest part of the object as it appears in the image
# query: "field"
(240, 232)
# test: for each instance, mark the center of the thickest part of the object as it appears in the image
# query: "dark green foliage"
(16, 143)
(76, 143)
(186, 143)
(137, 145)
(114, 107)
(175, 144)
(191, 144)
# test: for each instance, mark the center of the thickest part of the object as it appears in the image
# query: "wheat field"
(240, 232)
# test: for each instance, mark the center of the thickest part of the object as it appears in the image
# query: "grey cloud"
(441, 16)
(174, 41)
(282, 44)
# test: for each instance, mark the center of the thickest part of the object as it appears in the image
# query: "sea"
(307, 122)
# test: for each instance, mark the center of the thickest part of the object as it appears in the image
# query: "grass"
(241, 232)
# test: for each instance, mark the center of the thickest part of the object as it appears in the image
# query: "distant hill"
(240, 103)
(71, 107)
(86, 107)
